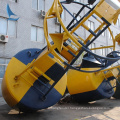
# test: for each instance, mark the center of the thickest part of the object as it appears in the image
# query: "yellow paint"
(9, 98)
(61, 85)
(58, 40)
(116, 16)
(53, 9)
(103, 9)
(113, 39)
(117, 38)
(65, 36)
(113, 72)
(111, 17)
(79, 82)
(111, 68)
(90, 36)
(66, 55)
(85, 26)
(43, 63)
(101, 47)
(14, 90)
(82, 22)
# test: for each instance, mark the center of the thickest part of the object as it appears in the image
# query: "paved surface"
(101, 110)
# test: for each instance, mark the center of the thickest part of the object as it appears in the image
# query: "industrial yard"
(107, 109)
(56, 55)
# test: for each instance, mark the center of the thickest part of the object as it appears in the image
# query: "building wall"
(29, 16)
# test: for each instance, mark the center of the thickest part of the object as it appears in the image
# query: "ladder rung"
(69, 51)
(38, 71)
(39, 90)
(38, 79)
(87, 28)
(43, 83)
(44, 96)
(92, 32)
(33, 75)
(72, 53)
(40, 82)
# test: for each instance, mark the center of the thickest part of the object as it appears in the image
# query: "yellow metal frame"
(33, 70)
(56, 11)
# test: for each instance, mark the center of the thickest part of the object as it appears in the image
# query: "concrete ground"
(107, 109)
